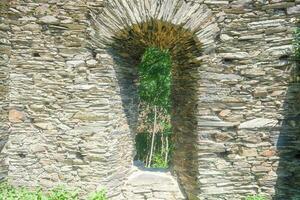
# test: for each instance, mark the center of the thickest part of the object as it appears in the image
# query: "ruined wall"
(63, 129)
(246, 103)
(5, 51)
(152, 184)
(70, 123)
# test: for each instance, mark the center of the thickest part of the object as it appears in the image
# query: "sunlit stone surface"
(68, 95)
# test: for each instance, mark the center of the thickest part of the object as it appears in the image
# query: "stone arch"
(120, 34)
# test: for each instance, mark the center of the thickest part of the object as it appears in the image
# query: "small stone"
(32, 27)
(261, 169)
(225, 37)
(83, 87)
(36, 107)
(38, 148)
(46, 183)
(258, 123)
(44, 126)
(251, 37)
(266, 24)
(16, 116)
(89, 116)
(216, 124)
(222, 137)
(293, 10)
(75, 63)
(27, 19)
(241, 3)
(4, 27)
(91, 63)
(217, 190)
(235, 55)
(252, 139)
(49, 19)
(253, 72)
(4, 41)
(260, 92)
(248, 152)
(269, 153)
(277, 93)
(224, 113)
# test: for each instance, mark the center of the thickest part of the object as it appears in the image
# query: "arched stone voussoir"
(121, 14)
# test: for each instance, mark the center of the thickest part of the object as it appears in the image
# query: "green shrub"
(60, 193)
(159, 161)
(100, 195)
(296, 43)
(8, 192)
(255, 197)
(296, 55)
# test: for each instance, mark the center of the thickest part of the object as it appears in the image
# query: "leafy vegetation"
(296, 54)
(61, 193)
(99, 195)
(297, 44)
(8, 192)
(255, 197)
(154, 130)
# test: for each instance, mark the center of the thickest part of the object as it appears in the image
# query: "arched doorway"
(125, 37)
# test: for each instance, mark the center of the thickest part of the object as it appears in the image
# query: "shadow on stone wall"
(288, 147)
(126, 73)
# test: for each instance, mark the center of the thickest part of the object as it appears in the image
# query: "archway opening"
(153, 137)
(127, 49)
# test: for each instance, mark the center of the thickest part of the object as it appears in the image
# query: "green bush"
(61, 193)
(159, 161)
(8, 192)
(255, 197)
(296, 44)
(100, 195)
(296, 55)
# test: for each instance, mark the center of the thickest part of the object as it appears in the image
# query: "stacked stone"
(151, 184)
(5, 51)
(246, 103)
(72, 109)
(63, 130)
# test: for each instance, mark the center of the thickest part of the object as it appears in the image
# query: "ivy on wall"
(296, 55)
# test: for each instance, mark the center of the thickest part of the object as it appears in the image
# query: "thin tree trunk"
(153, 138)
(167, 150)
(162, 150)
(147, 158)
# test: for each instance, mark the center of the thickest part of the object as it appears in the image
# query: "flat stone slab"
(150, 183)
(258, 123)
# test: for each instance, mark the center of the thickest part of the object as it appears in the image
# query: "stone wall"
(72, 106)
(64, 104)
(152, 184)
(5, 51)
(244, 100)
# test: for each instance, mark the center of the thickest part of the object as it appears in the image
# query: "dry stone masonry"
(153, 184)
(68, 98)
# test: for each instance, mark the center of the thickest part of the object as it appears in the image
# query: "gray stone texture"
(68, 109)
(152, 184)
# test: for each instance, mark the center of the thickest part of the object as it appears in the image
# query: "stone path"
(152, 184)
